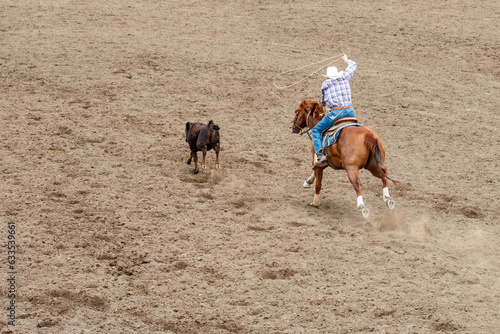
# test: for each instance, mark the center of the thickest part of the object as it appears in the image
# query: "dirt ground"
(115, 234)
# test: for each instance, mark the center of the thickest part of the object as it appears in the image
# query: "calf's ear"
(188, 125)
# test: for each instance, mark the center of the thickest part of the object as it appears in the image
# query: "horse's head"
(306, 109)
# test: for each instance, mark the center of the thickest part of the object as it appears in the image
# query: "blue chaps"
(327, 122)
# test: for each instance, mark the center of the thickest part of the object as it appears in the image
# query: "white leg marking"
(386, 194)
(309, 181)
(361, 204)
(315, 200)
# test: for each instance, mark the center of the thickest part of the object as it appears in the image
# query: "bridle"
(306, 128)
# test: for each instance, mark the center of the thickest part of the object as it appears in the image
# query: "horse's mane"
(314, 106)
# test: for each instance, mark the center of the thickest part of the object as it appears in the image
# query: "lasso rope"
(301, 67)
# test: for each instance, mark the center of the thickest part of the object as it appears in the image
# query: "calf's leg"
(195, 156)
(217, 149)
(204, 150)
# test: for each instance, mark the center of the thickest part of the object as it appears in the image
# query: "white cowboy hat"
(333, 73)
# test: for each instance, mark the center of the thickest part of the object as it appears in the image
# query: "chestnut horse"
(357, 147)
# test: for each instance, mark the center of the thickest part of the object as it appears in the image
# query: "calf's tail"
(188, 127)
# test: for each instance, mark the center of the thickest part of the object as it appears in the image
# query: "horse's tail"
(375, 148)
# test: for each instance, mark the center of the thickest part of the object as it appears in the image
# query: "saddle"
(329, 136)
(337, 125)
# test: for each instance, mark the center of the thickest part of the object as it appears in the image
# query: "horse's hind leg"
(385, 187)
(353, 175)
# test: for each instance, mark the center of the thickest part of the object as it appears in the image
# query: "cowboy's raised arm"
(351, 67)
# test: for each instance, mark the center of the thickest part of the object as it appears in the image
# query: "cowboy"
(336, 95)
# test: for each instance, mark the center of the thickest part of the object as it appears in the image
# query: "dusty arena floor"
(115, 234)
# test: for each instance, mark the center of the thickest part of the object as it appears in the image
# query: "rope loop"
(337, 58)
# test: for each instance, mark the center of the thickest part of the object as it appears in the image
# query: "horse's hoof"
(365, 212)
(314, 205)
(307, 184)
(315, 201)
(390, 203)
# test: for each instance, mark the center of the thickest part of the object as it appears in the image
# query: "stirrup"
(321, 163)
(321, 159)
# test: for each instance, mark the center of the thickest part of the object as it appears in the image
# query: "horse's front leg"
(318, 173)
(309, 181)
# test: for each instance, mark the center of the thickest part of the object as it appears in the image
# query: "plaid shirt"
(337, 92)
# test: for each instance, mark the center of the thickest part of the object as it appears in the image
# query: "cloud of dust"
(481, 243)
(233, 183)
(476, 240)
(215, 177)
(417, 227)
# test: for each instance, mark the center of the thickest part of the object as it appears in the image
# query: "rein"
(305, 129)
